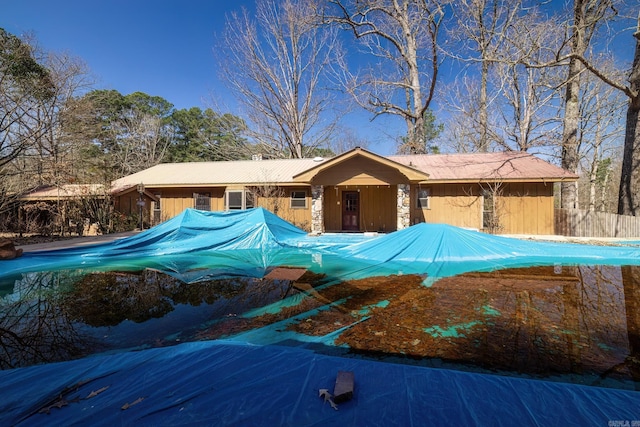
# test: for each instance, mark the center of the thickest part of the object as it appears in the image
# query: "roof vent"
(318, 159)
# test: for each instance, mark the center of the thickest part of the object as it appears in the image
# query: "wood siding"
(522, 208)
(453, 204)
(359, 171)
(174, 201)
(279, 202)
(527, 208)
(127, 203)
(377, 207)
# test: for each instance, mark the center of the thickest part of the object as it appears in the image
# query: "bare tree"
(526, 116)
(347, 140)
(277, 65)
(599, 136)
(403, 36)
(24, 85)
(463, 130)
(482, 28)
(628, 202)
(505, 106)
(54, 153)
(143, 141)
(587, 16)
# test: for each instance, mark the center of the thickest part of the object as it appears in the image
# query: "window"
(157, 211)
(488, 211)
(238, 200)
(233, 200)
(202, 201)
(248, 200)
(424, 194)
(298, 199)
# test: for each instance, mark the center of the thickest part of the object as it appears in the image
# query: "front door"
(350, 211)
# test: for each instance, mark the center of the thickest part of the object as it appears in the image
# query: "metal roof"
(66, 191)
(507, 166)
(219, 173)
(512, 166)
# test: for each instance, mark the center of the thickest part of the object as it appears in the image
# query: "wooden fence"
(583, 223)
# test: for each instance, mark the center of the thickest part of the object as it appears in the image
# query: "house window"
(238, 200)
(422, 201)
(488, 211)
(298, 199)
(248, 200)
(157, 211)
(233, 200)
(202, 201)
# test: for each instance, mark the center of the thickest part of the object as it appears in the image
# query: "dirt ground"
(32, 239)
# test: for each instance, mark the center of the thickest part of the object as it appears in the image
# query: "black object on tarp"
(345, 384)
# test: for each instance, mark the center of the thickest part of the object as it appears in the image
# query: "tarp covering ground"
(234, 384)
(198, 245)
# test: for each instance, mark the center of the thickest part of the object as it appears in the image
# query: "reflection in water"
(34, 324)
(578, 324)
(65, 315)
(631, 282)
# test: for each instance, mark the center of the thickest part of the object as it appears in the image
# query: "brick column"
(404, 206)
(317, 209)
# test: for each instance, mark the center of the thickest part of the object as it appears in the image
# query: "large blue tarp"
(198, 245)
(440, 250)
(235, 384)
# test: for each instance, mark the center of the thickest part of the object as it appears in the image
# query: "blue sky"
(162, 48)
(159, 47)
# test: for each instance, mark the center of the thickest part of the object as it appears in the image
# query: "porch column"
(404, 206)
(317, 211)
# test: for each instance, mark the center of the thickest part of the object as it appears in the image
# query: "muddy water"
(578, 324)
(572, 323)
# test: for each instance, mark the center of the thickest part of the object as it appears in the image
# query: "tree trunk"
(569, 193)
(593, 176)
(484, 115)
(628, 203)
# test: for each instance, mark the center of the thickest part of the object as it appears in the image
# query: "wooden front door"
(350, 211)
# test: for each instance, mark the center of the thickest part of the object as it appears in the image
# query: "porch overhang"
(410, 174)
(131, 189)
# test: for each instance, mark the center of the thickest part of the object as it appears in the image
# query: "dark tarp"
(234, 384)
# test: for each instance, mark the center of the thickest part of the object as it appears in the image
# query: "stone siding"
(404, 206)
(317, 209)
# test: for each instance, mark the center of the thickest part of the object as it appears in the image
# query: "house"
(360, 191)
(37, 207)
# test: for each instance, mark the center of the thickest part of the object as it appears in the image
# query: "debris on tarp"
(328, 398)
(343, 390)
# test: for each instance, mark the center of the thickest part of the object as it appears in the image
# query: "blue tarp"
(235, 384)
(440, 250)
(199, 245)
